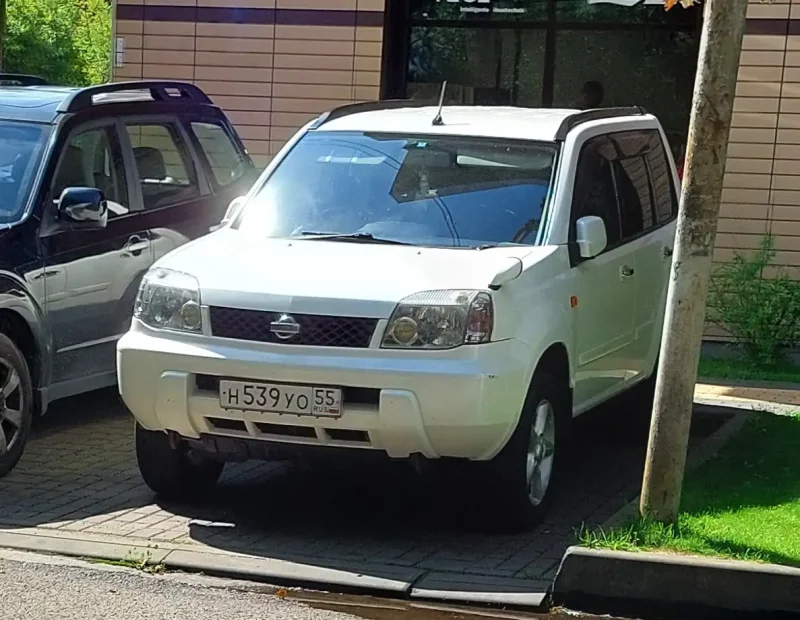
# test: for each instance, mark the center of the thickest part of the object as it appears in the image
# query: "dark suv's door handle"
(135, 246)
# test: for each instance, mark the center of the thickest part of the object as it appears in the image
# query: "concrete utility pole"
(712, 108)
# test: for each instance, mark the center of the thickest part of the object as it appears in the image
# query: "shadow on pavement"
(79, 474)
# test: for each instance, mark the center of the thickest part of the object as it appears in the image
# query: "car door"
(91, 277)
(605, 285)
(655, 249)
(176, 195)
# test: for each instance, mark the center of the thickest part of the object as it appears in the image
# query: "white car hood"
(239, 270)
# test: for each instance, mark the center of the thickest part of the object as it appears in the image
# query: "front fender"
(15, 297)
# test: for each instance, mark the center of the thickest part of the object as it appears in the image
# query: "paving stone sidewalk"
(78, 481)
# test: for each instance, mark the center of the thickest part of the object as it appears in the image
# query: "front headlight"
(440, 320)
(169, 300)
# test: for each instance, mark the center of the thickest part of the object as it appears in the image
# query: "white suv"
(420, 287)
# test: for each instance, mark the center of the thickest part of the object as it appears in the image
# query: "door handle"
(135, 246)
(46, 274)
(626, 272)
(667, 252)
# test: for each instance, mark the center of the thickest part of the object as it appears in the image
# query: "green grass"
(738, 369)
(743, 504)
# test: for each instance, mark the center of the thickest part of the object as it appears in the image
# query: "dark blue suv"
(95, 185)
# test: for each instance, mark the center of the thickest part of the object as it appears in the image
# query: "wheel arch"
(22, 321)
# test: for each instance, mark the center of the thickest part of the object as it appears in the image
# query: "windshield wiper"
(358, 237)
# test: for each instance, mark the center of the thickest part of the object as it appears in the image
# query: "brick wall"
(272, 65)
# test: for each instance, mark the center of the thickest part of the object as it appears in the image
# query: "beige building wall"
(762, 181)
(272, 65)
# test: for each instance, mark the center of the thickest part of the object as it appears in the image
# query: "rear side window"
(664, 193)
(165, 169)
(228, 164)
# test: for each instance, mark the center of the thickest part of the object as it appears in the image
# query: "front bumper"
(462, 403)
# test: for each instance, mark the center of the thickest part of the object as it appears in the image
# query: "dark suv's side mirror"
(83, 207)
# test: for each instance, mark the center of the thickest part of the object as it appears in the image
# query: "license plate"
(277, 398)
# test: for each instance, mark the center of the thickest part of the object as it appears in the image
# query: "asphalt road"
(64, 589)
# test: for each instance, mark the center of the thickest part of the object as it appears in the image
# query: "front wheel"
(523, 479)
(16, 404)
(174, 473)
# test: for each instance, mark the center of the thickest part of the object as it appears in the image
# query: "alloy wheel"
(541, 452)
(11, 407)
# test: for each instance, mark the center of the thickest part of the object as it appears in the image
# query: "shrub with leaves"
(757, 303)
(66, 41)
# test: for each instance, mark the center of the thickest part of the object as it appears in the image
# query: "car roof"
(32, 103)
(45, 103)
(541, 124)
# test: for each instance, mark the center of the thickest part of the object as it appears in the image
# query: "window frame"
(111, 126)
(189, 155)
(649, 134)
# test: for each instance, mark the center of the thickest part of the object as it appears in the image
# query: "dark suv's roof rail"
(21, 79)
(369, 106)
(84, 98)
(573, 120)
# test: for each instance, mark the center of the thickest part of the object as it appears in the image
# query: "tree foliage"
(65, 41)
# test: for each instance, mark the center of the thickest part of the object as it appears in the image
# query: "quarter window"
(166, 173)
(227, 162)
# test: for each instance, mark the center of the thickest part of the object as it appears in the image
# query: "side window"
(166, 173)
(594, 187)
(227, 162)
(93, 159)
(633, 191)
(666, 198)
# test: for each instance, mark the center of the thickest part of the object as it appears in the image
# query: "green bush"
(65, 41)
(761, 310)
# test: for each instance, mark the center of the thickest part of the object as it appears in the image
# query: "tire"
(16, 404)
(173, 473)
(508, 479)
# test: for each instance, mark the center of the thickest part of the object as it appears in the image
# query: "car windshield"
(422, 190)
(21, 148)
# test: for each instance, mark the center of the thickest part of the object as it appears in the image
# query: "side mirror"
(233, 210)
(591, 236)
(83, 207)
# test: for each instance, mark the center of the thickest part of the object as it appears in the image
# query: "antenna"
(437, 120)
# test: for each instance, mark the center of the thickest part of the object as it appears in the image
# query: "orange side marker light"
(573, 301)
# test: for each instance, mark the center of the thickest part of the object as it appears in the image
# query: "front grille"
(314, 330)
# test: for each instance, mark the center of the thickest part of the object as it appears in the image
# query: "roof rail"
(573, 120)
(21, 79)
(369, 106)
(84, 98)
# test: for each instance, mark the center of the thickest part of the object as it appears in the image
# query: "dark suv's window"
(92, 159)
(228, 164)
(166, 172)
(21, 148)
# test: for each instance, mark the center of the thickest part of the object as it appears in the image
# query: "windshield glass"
(21, 148)
(425, 190)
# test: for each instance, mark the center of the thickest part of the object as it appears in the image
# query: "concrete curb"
(620, 582)
(387, 580)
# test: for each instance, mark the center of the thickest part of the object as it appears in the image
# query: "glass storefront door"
(541, 52)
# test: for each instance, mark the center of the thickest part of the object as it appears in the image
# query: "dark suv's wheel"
(174, 473)
(523, 479)
(16, 404)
